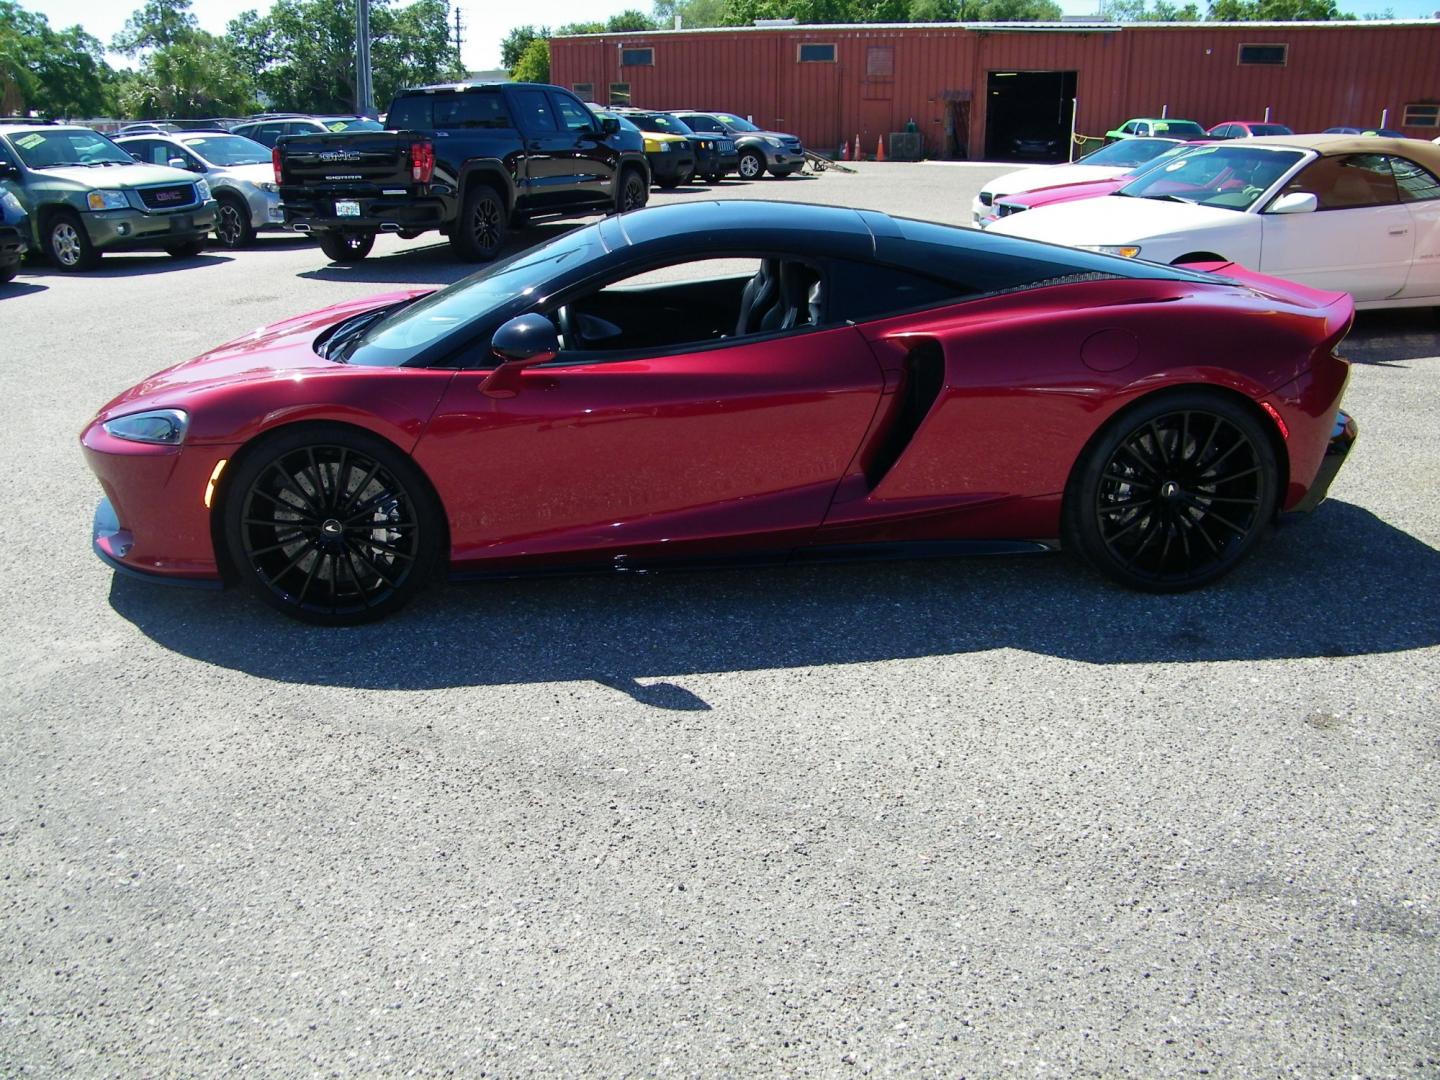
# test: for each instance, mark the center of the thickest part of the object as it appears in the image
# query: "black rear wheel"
(1175, 495)
(331, 526)
(479, 232)
(345, 247)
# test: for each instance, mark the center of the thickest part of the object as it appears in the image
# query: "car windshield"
(736, 122)
(1127, 152)
(1270, 129)
(1178, 129)
(667, 124)
(229, 150)
(1228, 177)
(352, 123)
(67, 146)
(1158, 161)
(409, 331)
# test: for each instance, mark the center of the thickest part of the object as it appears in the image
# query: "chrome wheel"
(65, 244)
(752, 165)
(330, 532)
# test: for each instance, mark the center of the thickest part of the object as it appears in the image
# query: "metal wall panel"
(1336, 74)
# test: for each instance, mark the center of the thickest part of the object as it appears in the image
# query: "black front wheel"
(345, 247)
(1175, 494)
(331, 526)
(187, 250)
(8, 272)
(633, 192)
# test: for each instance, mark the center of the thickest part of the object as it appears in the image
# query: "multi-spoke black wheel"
(479, 231)
(1174, 495)
(331, 526)
(634, 192)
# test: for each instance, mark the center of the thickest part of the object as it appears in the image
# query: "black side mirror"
(609, 125)
(524, 341)
(8, 171)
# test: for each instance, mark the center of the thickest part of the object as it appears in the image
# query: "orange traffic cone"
(857, 147)
(880, 148)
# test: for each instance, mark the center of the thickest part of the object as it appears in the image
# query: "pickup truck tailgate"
(350, 161)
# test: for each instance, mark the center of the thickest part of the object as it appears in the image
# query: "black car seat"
(794, 308)
(759, 298)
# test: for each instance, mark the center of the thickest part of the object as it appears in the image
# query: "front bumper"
(113, 543)
(266, 210)
(112, 230)
(667, 167)
(12, 244)
(714, 163)
(1342, 438)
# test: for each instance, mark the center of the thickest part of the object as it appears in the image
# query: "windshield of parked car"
(411, 330)
(1270, 129)
(736, 122)
(1127, 152)
(67, 146)
(352, 123)
(229, 150)
(1229, 177)
(668, 124)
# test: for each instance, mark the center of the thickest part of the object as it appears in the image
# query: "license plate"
(180, 224)
(347, 208)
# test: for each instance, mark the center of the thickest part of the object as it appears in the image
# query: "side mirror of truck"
(609, 125)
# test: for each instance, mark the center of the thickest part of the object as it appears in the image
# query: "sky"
(486, 24)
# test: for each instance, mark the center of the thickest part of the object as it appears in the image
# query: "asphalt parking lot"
(972, 818)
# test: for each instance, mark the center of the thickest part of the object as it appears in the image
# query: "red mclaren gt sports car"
(734, 380)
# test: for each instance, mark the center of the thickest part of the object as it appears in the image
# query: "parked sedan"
(14, 227)
(266, 130)
(1246, 129)
(238, 170)
(733, 379)
(1353, 213)
(1105, 163)
(758, 149)
(1006, 205)
(1149, 126)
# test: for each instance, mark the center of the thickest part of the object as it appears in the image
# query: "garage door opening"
(1027, 115)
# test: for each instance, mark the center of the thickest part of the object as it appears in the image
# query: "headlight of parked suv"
(1125, 251)
(12, 204)
(773, 141)
(107, 200)
(274, 189)
(166, 427)
(202, 190)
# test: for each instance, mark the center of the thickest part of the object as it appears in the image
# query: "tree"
(199, 75)
(1275, 11)
(693, 13)
(301, 53)
(534, 65)
(158, 24)
(1018, 11)
(517, 41)
(1139, 11)
(630, 19)
(55, 73)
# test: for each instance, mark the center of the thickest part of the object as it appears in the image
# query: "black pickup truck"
(471, 160)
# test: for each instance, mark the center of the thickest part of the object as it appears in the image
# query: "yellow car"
(671, 157)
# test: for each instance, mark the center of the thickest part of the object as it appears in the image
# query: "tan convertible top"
(1417, 150)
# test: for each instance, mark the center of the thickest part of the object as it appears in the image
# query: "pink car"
(1088, 189)
(1243, 129)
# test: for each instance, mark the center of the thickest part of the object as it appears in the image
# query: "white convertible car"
(1357, 214)
(1109, 161)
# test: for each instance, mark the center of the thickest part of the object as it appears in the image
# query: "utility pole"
(459, 39)
(364, 85)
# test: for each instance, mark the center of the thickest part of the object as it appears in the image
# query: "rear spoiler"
(1339, 307)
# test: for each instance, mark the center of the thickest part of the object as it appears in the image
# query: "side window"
(861, 291)
(1347, 183)
(573, 116)
(1128, 127)
(1415, 184)
(484, 109)
(412, 113)
(1142, 130)
(532, 108)
(703, 123)
(268, 133)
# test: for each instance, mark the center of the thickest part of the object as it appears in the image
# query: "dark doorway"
(1027, 115)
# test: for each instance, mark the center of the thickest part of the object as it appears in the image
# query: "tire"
(669, 184)
(8, 272)
(632, 192)
(780, 174)
(345, 247)
(232, 223)
(331, 525)
(479, 232)
(68, 244)
(752, 165)
(1145, 505)
(713, 178)
(187, 250)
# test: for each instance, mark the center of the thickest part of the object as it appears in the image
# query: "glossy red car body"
(781, 444)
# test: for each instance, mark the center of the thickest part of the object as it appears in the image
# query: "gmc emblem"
(169, 196)
(340, 155)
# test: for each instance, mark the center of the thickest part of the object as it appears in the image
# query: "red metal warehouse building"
(971, 88)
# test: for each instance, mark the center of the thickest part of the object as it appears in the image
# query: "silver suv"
(239, 172)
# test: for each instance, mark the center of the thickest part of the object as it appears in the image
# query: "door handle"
(1398, 232)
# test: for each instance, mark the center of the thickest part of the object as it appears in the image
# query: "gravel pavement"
(986, 818)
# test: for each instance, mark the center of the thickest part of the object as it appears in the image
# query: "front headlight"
(273, 189)
(1125, 251)
(166, 427)
(202, 190)
(107, 200)
(773, 141)
(666, 147)
(12, 204)
(706, 144)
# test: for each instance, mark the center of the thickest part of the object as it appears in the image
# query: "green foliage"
(55, 73)
(1275, 11)
(517, 41)
(1140, 11)
(158, 24)
(195, 77)
(1017, 11)
(745, 12)
(301, 53)
(693, 13)
(534, 65)
(630, 19)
